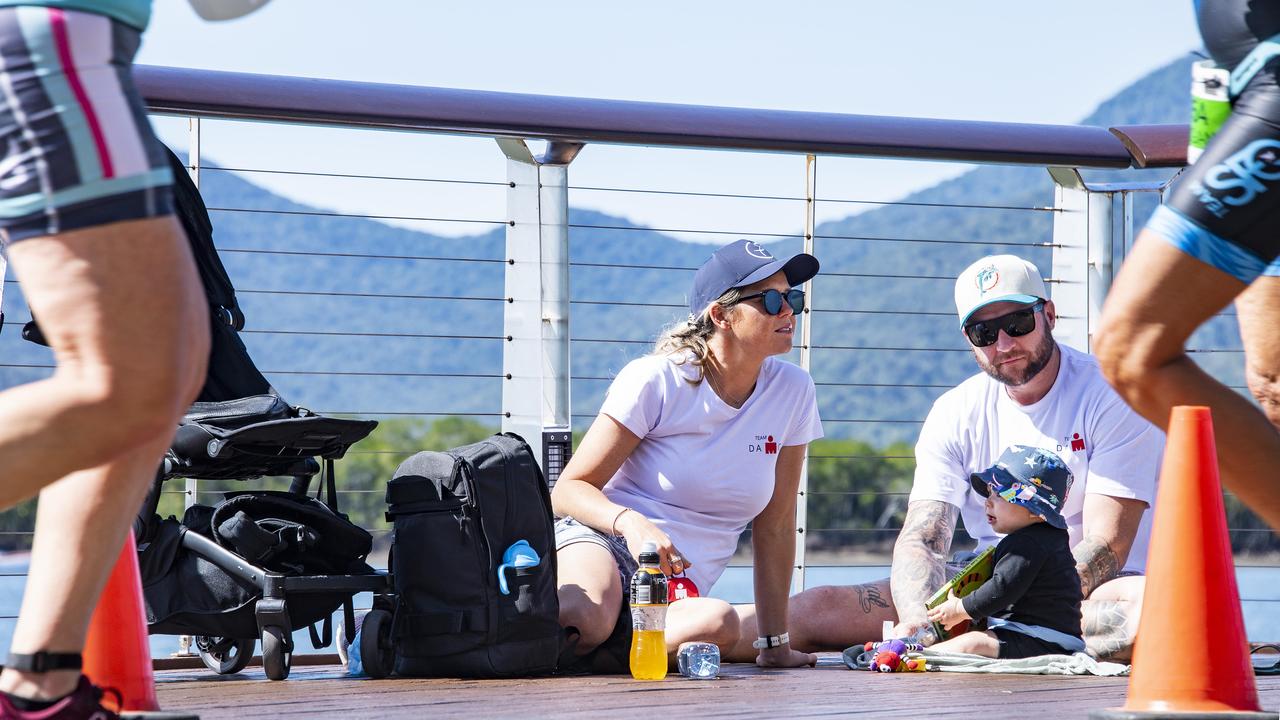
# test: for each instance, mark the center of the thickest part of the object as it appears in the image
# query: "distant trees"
(857, 494)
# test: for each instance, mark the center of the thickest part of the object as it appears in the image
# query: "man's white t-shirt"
(704, 469)
(1110, 449)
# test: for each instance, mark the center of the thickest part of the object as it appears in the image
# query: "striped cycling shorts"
(77, 150)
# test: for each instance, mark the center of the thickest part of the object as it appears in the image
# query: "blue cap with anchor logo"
(741, 263)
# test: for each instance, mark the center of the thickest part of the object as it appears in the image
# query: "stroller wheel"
(276, 654)
(377, 653)
(224, 655)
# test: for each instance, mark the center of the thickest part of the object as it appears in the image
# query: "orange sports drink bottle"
(648, 617)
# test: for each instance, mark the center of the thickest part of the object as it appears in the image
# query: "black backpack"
(456, 514)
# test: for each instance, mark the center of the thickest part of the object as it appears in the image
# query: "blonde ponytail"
(692, 334)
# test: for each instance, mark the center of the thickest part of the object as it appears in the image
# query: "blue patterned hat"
(1028, 476)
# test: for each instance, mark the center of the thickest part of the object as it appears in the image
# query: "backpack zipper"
(482, 544)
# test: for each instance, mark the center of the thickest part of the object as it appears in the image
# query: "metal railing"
(522, 347)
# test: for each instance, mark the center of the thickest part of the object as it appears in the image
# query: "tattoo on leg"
(1096, 563)
(1106, 629)
(869, 598)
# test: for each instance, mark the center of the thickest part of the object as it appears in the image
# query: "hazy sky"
(1007, 60)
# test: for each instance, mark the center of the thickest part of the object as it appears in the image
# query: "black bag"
(280, 532)
(456, 514)
(289, 533)
(254, 436)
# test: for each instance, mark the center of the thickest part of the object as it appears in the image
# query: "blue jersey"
(130, 12)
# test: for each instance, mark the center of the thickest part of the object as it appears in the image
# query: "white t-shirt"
(704, 469)
(1110, 449)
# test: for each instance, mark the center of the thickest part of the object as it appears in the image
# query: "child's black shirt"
(1034, 581)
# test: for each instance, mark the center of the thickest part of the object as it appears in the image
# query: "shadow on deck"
(830, 690)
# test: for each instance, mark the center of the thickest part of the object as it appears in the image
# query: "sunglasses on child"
(773, 300)
(1014, 324)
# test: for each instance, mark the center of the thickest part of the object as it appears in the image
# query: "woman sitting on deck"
(694, 441)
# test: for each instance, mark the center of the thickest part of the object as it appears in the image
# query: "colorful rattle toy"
(895, 656)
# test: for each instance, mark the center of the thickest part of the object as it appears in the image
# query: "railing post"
(1083, 238)
(806, 353)
(1126, 224)
(192, 486)
(535, 359)
(1084, 248)
(193, 169)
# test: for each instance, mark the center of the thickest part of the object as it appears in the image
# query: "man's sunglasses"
(773, 300)
(1014, 324)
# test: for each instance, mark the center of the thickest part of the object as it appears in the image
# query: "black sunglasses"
(1014, 324)
(773, 300)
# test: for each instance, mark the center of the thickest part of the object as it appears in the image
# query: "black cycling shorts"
(1225, 210)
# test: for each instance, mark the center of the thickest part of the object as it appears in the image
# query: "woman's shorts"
(78, 150)
(611, 656)
(570, 531)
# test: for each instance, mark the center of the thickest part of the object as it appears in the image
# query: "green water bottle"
(1210, 105)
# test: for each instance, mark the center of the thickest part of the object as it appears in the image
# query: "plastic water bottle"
(648, 617)
(923, 637)
(349, 648)
(699, 661)
(355, 668)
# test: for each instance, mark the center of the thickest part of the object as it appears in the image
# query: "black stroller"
(259, 564)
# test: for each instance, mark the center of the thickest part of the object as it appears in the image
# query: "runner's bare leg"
(124, 311)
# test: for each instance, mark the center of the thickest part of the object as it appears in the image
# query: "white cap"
(997, 278)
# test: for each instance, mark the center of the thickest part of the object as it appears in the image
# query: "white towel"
(1076, 664)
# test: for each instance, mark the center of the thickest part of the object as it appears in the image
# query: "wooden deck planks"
(829, 690)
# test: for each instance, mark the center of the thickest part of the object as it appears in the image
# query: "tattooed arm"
(1110, 524)
(919, 560)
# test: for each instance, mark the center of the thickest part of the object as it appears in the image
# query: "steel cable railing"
(358, 216)
(794, 198)
(353, 176)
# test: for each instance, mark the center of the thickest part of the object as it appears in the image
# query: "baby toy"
(895, 656)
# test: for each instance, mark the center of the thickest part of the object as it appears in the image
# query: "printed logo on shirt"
(986, 279)
(1075, 442)
(757, 250)
(763, 444)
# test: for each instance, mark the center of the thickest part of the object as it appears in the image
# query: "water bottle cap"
(649, 553)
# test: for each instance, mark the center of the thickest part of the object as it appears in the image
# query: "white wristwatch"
(772, 641)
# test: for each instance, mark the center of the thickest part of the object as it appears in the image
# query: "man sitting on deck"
(1032, 391)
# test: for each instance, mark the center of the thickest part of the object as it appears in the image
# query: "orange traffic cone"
(116, 652)
(1191, 603)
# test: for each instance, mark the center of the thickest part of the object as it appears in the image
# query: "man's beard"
(1039, 358)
